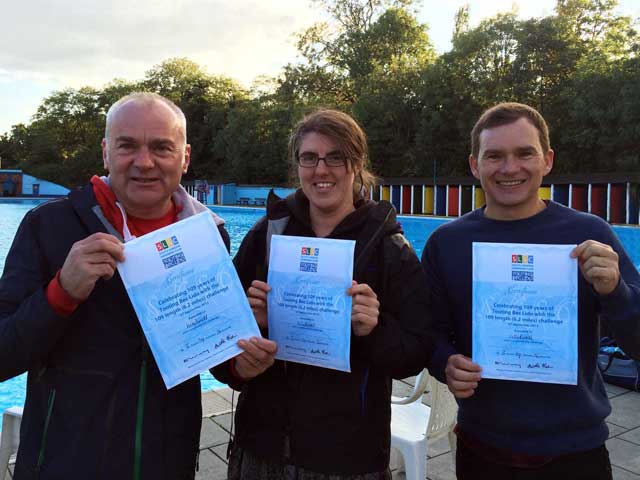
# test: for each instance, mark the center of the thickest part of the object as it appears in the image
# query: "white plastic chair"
(414, 423)
(9, 438)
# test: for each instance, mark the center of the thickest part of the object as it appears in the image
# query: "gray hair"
(146, 98)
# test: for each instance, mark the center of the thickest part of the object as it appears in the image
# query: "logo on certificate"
(170, 252)
(309, 259)
(522, 268)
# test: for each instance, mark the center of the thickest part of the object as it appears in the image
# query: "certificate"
(309, 311)
(187, 297)
(525, 314)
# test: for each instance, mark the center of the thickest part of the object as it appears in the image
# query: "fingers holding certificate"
(364, 310)
(463, 375)
(258, 356)
(88, 260)
(257, 296)
(599, 265)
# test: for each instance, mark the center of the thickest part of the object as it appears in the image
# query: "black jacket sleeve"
(225, 237)
(29, 328)
(248, 261)
(400, 344)
(250, 258)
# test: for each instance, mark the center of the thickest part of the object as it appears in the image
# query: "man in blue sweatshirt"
(518, 430)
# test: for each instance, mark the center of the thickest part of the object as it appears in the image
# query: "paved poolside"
(623, 443)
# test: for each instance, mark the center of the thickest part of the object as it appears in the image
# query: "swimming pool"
(238, 221)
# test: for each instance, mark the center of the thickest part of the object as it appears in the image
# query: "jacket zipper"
(363, 391)
(107, 435)
(43, 443)
(77, 371)
(142, 389)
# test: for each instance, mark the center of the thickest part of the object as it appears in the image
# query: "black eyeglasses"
(310, 159)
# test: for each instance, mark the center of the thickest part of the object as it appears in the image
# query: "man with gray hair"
(96, 404)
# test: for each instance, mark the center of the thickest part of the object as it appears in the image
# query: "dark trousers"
(244, 465)
(590, 465)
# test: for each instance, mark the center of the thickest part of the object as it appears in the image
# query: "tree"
(362, 38)
(205, 100)
(14, 146)
(603, 122)
(255, 139)
(65, 136)
(593, 24)
(367, 60)
(461, 21)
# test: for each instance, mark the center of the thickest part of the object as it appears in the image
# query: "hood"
(380, 214)
(368, 224)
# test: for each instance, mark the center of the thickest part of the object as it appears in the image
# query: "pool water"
(238, 222)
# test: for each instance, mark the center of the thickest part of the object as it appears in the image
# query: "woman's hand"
(259, 355)
(257, 296)
(364, 308)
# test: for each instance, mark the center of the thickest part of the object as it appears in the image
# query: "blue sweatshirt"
(527, 417)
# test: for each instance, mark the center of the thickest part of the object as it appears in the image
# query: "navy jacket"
(84, 371)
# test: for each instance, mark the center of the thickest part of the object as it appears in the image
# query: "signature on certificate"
(507, 364)
(539, 365)
(224, 340)
(188, 359)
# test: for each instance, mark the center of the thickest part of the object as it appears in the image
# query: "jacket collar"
(86, 206)
(83, 201)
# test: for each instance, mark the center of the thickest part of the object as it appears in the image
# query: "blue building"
(16, 183)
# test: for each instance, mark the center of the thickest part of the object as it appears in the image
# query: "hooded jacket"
(85, 381)
(326, 420)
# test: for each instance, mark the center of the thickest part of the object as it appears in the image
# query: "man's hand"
(258, 355)
(88, 260)
(462, 375)
(364, 308)
(599, 265)
(257, 296)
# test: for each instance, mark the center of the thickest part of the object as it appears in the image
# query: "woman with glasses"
(297, 421)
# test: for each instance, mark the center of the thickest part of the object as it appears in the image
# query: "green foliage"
(594, 24)
(365, 40)
(373, 59)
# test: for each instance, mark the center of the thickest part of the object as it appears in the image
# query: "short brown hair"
(504, 114)
(349, 136)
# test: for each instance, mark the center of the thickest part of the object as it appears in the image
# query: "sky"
(49, 45)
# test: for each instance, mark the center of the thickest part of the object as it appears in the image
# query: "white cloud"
(91, 42)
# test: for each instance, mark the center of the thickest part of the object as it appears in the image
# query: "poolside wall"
(614, 198)
(232, 194)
